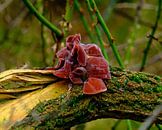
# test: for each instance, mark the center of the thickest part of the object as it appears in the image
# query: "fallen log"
(130, 95)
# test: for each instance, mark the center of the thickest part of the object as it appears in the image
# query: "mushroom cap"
(94, 86)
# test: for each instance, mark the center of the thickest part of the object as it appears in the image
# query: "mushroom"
(82, 64)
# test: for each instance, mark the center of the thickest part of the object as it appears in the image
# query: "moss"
(59, 121)
(147, 78)
(48, 125)
(91, 107)
(136, 78)
(115, 69)
(126, 82)
(40, 107)
(157, 88)
(80, 114)
(75, 100)
(157, 78)
(116, 82)
(62, 96)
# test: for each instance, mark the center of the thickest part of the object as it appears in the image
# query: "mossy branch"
(130, 95)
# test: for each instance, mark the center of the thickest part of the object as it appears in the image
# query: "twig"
(68, 16)
(155, 58)
(134, 6)
(84, 21)
(43, 44)
(42, 19)
(69, 10)
(131, 40)
(154, 38)
(131, 18)
(97, 32)
(57, 41)
(109, 9)
(56, 47)
(152, 34)
(5, 5)
(148, 122)
(43, 41)
(107, 32)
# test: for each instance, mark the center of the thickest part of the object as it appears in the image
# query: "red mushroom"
(97, 67)
(78, 75)
(64, 71)
(83, 63)
(94, 86)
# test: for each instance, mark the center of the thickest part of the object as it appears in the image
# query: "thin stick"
(135, 29)
(158, 126)
(69, 11)
(84, 21)
(42, 19)
(68, 16)
(107, 32)
(129, 125)
(97, 32)
(152, 34)
(109, 9)
(43, 41)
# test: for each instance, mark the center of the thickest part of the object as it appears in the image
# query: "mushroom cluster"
(82, 64)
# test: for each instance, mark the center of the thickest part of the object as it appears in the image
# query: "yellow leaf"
(17, 109)
(25, 71)
(11, 79)
(19, 90)
(6, 96)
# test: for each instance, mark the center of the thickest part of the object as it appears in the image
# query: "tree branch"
(130, 95)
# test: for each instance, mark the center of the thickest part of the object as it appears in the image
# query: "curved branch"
(130, 95)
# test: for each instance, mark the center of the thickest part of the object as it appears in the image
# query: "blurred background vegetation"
(26, 43)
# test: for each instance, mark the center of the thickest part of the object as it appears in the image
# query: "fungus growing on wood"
(82, 64)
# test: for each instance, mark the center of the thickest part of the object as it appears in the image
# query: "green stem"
(109, 9)
(152, 34)
(86, 26)
(43, 46)
(158, 126)
(68, 16)
(69, 11)
(43, 39)
(131, 43)
(107, 32)
(97, 32)
(116, 124)
(129, 125)
(42, 19)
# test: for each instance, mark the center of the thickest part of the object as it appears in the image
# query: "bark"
(130, 95)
